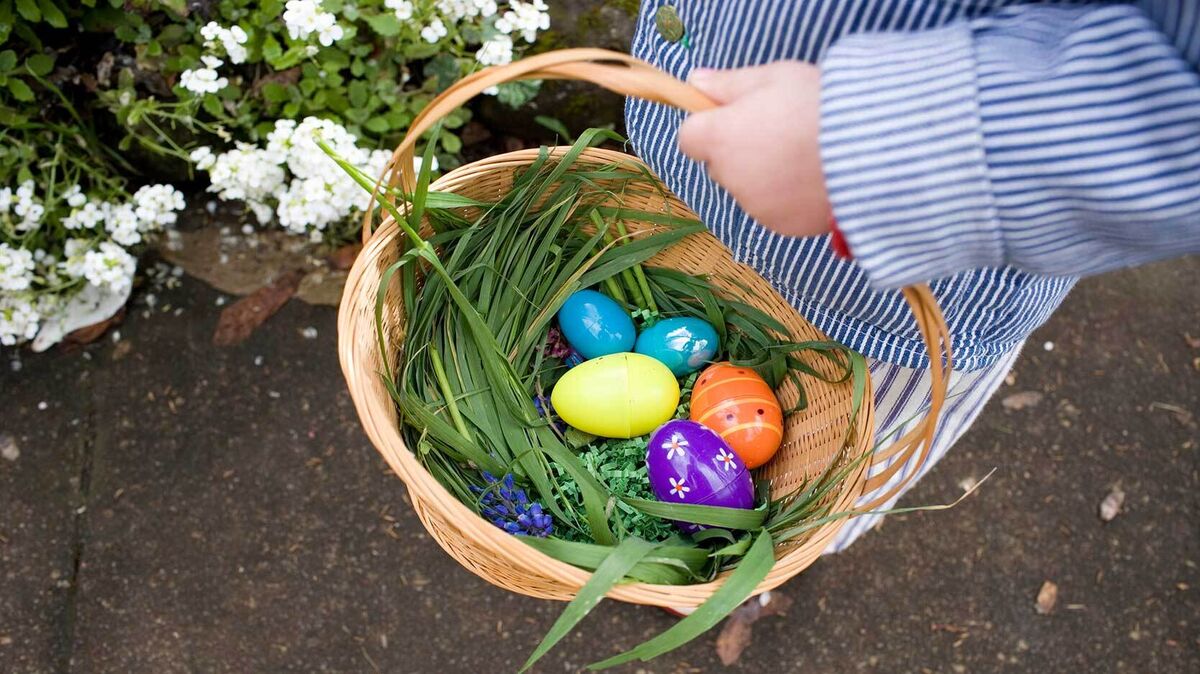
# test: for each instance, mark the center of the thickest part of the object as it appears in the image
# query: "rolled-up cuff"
(903, 155)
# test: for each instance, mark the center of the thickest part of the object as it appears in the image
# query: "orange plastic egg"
(741, 407)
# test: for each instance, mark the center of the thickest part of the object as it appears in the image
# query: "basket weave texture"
(812, 437)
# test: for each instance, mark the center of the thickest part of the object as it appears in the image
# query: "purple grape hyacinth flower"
(510, 508)
(546, 411)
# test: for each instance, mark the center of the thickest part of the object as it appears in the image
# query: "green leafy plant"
(98, 96)
(237, 66)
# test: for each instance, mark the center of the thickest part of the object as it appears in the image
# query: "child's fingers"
(713, 134)
(696, 135)
(714, 137)
(726, 86)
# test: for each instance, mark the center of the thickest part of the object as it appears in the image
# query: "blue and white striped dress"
(1002, 148)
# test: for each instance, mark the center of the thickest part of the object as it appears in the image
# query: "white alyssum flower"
(262, 211)
(377, 160)
(121, 222)
(109, 266)
(300, 17)
(318, 197)
(402, 8)
(457, 10)
(321, 194)
(73, 252)
(327, 35)
(25, 192)
(75, 196)
(211, 32)
(48, 269)
(435, 31)
(245, 173)
(29, 209)
(496, 51)
(526, 18)
(6, 200)
(40, 297)
(156, 205)
(204, 80)
(203, 157)
(312, 202)
(16, 268)
(18, 320)
(87, 216)
(32, 217)
(296, 145)
(305, 17)
(231, 40)
(302, 188)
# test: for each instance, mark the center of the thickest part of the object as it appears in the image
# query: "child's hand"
(761, 144)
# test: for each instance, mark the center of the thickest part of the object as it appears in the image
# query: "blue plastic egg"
(682, 344)
(595, 325)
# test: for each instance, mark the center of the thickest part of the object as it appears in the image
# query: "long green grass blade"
(595, 495)
(737, 587)
(644, 216)
(610, 572)
(444, 200)
(639, 275)
(730, 518)
(417, 212)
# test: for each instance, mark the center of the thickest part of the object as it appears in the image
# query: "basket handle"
(936, 335)
(617, 72)
(626, 75)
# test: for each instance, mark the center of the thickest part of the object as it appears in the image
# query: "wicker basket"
(812, 437)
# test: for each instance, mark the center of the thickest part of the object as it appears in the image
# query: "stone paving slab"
(237, 520)
(44, 440)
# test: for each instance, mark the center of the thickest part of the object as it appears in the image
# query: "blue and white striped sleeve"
(1062, 141)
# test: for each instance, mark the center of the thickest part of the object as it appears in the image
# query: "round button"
(669, 25)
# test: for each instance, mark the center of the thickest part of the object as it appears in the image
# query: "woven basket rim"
(378, 418)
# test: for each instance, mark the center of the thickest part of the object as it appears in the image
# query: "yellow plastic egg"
(622, 395)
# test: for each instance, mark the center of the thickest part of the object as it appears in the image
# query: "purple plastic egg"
(689, 463)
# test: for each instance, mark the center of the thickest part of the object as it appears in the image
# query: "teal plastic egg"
(682, 344)
(595, 325)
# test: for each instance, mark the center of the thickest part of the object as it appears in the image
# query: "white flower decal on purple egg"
(725, 458)
(675, 445)
(677, 487)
